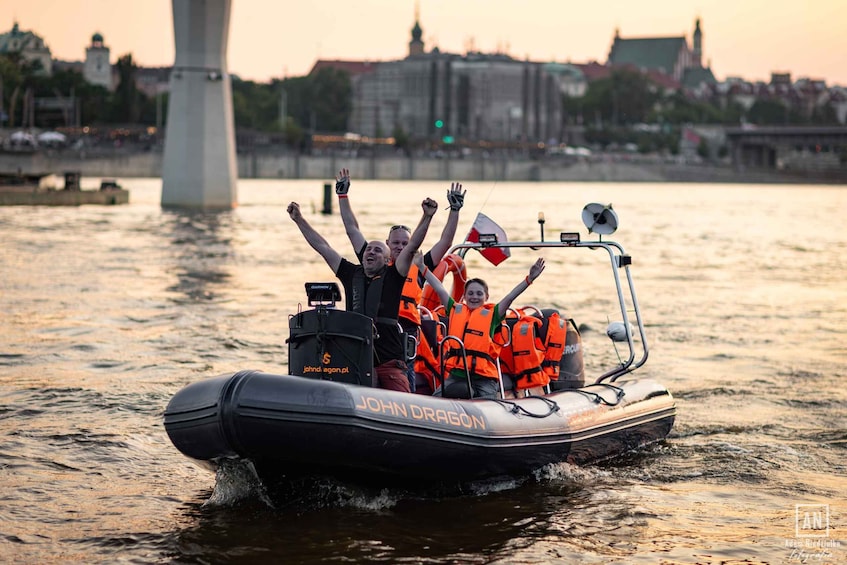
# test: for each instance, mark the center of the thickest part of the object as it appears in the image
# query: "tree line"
(322, 102)
(613, 107)
(319, 102)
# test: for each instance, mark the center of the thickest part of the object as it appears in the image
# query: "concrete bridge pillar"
(199, 168)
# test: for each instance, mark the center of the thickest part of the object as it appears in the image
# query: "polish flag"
(485, 225)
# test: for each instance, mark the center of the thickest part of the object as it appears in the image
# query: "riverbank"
(601, 168)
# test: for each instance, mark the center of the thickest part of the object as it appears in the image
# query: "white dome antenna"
(600, 219)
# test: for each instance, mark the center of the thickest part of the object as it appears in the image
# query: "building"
(450, 97)
(153, 81)
(97, 69)
(439, 96)
(30, 47)
(671, 56)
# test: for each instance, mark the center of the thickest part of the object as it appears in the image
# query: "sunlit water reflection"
(108, 311)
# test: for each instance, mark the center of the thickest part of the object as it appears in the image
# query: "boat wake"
(236, 481)
(568, 473)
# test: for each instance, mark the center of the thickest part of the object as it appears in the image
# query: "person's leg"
(455, 387)
(509, 387)
(410, 374)
(392, 376)
(486, 388)
(422, 385)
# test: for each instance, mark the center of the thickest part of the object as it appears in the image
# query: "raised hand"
(456, 196)
(294, 211)
(418, 260)
(429, 206)
(342, 181)
(536, 269)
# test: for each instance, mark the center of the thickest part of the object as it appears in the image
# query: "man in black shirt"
(373, 288)
(398, 238)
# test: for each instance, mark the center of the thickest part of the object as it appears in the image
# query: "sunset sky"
(276, 38)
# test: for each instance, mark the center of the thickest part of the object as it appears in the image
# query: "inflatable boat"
(325, 417)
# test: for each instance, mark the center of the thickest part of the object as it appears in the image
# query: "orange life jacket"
(473, 327)
(554, 344)
(411, 296)
(523, 357)
(427, 360)
(449, 264)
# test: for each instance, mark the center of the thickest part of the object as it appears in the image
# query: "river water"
(108, 311)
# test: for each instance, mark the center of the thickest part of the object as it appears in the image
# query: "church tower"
(698, 46)
(615, 43)
(97, 68)
(416, 46)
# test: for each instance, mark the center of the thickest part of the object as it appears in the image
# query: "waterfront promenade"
(597, 168)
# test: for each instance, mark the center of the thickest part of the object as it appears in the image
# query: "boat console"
(330, 344)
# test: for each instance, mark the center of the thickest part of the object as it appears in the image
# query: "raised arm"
(313, 238)
(456, 199)
(404, 260)
(534, 273)
(430, 277)
(351, 225)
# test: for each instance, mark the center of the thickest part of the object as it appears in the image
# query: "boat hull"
(294, 426)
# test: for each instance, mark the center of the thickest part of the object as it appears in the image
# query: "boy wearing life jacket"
(398, 239)
(474, 321)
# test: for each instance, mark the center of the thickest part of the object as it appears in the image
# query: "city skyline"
(749, 39)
